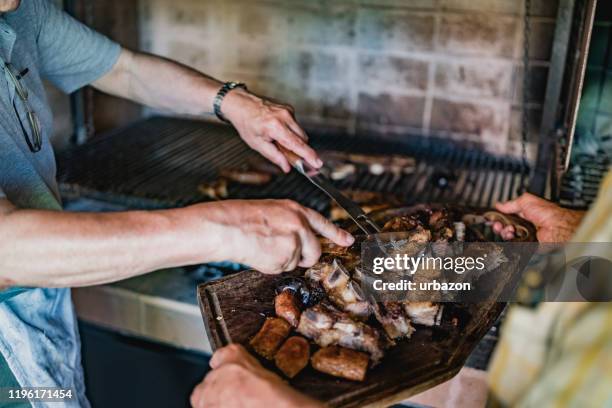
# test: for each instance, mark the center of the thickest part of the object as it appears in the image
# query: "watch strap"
(225, 89)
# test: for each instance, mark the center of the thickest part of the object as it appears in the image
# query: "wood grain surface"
(235, 307)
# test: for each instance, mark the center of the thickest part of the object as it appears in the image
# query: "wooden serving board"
(235, 307)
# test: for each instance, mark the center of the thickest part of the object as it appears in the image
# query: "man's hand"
(262, 123)
(79, 249)
(554, 224)
(238, 380)
(272, 236)
(168, 85)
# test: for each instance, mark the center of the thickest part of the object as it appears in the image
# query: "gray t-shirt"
(53, 46)
(39, 340)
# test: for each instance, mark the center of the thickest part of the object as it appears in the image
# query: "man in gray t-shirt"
(44, 251)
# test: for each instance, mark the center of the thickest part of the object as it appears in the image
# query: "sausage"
(270, 337)
(293, 356)
(341, 362)
(286, 306)
(246, 176)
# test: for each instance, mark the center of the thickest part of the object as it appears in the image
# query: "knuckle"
(233, 348)
(292, 205)
(274, 124)
(234, 370)
(285, 113)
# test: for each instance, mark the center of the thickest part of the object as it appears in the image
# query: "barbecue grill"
(159, 162)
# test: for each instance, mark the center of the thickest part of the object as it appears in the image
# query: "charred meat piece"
(327, 326)
(425, 313)
(341, 362)
(420, 235)
(317, 272)
(246, 176)
(293, 356)
(493, 254)
(404, 223)
(368, 200)
(215, 190)
(411, 224)
(393, 319)
(270, 337)
(330, 248)
(306, 292)
(377, 164)
(440, 225)
(340, 288)
(286, 306)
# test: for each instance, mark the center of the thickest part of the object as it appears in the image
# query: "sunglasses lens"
(35, 142)
(36, 133)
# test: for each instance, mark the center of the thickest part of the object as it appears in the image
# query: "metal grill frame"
(159, 162)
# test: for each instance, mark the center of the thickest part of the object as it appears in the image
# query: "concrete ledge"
(167, 321)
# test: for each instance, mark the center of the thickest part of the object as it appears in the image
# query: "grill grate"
(580, 185)
(159, 162)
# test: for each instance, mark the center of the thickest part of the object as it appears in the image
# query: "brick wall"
(390, 67)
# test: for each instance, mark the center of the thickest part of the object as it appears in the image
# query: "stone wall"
(388, 67)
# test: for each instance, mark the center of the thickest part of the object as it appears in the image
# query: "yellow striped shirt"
(559, 354)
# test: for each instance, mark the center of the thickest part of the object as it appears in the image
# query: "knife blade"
(355, 212)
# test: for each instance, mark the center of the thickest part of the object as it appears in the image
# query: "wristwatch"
(225, 89)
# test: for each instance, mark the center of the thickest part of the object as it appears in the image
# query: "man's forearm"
(55, 249)
(170, 86)
(160, 83)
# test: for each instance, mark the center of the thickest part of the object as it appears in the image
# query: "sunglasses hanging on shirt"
(34, 137)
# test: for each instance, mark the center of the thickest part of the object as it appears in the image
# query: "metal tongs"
(356, 213)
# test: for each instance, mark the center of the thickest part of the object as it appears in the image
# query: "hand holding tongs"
(353, 209)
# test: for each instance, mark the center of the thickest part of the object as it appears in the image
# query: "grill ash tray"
(234, 308)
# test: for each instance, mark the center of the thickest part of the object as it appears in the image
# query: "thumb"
(511, 207)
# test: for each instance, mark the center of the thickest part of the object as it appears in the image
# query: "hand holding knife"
(355, 212)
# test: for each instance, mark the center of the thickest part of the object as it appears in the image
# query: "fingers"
(271, 152)
(511, 207)
(327, 229)
(297, 144)
(233, 353)
(196, 398)
(521, 204)
(311, 247)
(293, 261)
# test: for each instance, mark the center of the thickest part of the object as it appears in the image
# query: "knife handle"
(293, 159)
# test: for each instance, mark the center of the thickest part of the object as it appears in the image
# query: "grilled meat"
(316, 272)
(395, 224)
(440, 225)
(393, 319)
(307, 292)
(327, 326)
(293, 356)
(412, 226)
(342, 171)
(215, 190)
(492, 253)
(368, 200)
(330, 248)
(376, 164)
(341, 289)
(425, 313)
(246, 176)
(286, 306)
(270, 337)
(341, 362)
